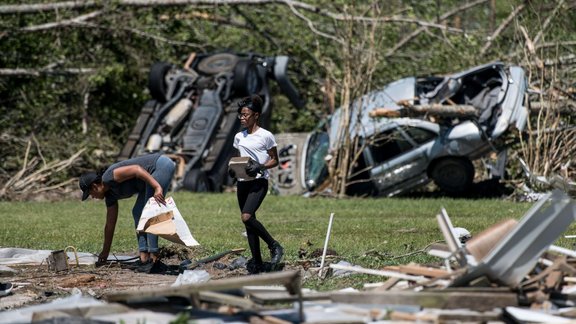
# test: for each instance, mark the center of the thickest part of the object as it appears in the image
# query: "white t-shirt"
(256, 146)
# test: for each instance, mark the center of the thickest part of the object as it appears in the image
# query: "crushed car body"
(193, 117)
(408, 150)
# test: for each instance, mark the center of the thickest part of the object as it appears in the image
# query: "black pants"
(250, 196)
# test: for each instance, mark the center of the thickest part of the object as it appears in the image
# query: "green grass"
(369, 232)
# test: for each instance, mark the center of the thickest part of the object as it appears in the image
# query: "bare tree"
(359, 60)
(547, 151)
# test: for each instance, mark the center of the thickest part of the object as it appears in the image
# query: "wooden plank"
(412, 317)
(418, 270)
(468, 316)
(392, 274)
(267, 320)
(264, 298)
(291, 279)
(488, 290)
(391, 282)
(444, 316)
(226, 299)
(478, 301)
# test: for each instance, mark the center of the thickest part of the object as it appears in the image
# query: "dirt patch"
(38, 284)
(82, 280)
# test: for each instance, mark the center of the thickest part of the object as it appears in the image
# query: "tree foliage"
(329, 42)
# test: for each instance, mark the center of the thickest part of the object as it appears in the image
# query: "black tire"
(197, 181)
(453, 175)
(246, 79)
(214, 64)
(157, 80)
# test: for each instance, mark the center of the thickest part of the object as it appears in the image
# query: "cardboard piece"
(238, 164)
(166, 222)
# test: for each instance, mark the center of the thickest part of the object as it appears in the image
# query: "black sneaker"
(276, 253)
(145, 267)
(159, 267)
(272, 267)
(253, 267)
(133, 265)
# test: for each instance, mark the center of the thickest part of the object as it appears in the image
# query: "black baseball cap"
(253, 102)
(86, 181)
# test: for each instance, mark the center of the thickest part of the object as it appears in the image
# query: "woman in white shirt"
(258, 144)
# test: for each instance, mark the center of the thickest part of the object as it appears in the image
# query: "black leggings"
(250, 196)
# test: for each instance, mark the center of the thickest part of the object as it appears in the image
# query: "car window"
(419, 135)
(316, 170)
(387, 145)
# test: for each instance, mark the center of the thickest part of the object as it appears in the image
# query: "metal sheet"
(517, 253)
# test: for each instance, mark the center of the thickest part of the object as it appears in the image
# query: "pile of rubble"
(510, 272)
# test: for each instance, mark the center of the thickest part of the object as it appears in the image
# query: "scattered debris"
(58, 260)
(511, 271)
(194, 264)
(191, 277)
(553, 181)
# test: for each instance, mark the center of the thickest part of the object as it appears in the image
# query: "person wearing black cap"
(146, 176)
(260, 145)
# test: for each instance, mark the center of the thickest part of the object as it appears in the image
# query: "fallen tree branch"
(33, 182)
(56, 186)
(564, 107)
(38, 72)
(35, 8)
(500, 28)
(555, 44)
(530, 48)
(311, 25)
(419, 110)
(544, 45)
(63, 23)
(548, 21)
(41, 175)
(142, 34)
(564, 60)
(417, 32)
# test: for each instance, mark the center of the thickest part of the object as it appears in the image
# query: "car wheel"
(196, 180)
(217, 63)
(157, 80)
(453, 175)
(246, 79)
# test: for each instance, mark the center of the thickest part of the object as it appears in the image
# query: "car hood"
(386, 97)
(496, 90)
(508, 99)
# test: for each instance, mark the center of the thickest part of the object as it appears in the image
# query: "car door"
(398, 158)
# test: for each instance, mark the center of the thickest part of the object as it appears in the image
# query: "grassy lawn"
(368, 232)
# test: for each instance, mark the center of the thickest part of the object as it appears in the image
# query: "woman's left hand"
(159, 196)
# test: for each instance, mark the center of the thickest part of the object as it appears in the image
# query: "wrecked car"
(401, 153)
(192, 116)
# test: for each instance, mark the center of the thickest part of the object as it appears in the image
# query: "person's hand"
(253, 168)
(159, 196)
(232, 173)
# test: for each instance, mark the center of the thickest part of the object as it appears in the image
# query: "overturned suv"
(401, 153)
(193, 118)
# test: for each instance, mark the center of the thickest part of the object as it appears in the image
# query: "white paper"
(179, 233)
